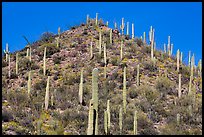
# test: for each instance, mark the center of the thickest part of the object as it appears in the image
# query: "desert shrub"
(6, 115)
(41, 84)
(58, 59)
(132, 92)
(146, 49)
(13, 75)
(4, 63)
(150, 66)
(114, 61)
(163, 85)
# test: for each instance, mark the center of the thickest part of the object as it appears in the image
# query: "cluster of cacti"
(47, 94)
(124, 90)
(133, 35)
(7, 51)
(122, 26)
(29, 82)
(81, 87)
(44, 62)
(178, 53)
(135, 123)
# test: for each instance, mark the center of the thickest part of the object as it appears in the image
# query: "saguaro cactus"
(27, 55)
(189, 58)
(29, 82)
(111, 35)
(96, 19)
(104, 53)
(81, 87)
(152, 45)
(105, 122)
(179, 87)
(150, 34)
(138, 74)
(171, 49)
(144, 39)
(115, 25)
(181, 56)
(178, 53)
(169, 45)
(95, 95)
(87, 19)
(47, 94)
(44, 62)
(122, 26)
(164, 48)
(135, 123)
(121, 50)
(108, 114)
(91, 119)
(133, 35)
(178, 119)
(121, 119)
(16, 63)
(124, 90)
(127, 28)
(107, 23)
(7, 52)
(192, 64)
(200, 68)
(30, 54)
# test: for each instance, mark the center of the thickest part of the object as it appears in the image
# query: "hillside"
(154, 102)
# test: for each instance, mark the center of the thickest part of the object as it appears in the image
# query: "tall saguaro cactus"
(133, 35)
(200, 68)
(171, 52)
(127, 28)
(47, 94)
(144, 39)
(95, 95)
(178, 53)
(108, 115)
(121, 120)
(122, 26)
(164, 48)
(181, 56)
(91, 119)
(106, 23)
(152, 44)
(138, 74)
(190, 85)
(16, 63)
(81, 87)
(111, 36)
(87, 19)
(44, 62)
(7, 52)
(135, 123)
(104, 53)
(115, 25)
(150, 34)
(30, 54)
(178, 119)
(169, 45)
(29, 82)
(179, 87)
(105, 122)
(96, 19)
(189, 58)
(124, 90)
(192, 64)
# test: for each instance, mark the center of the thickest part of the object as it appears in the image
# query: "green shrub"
(150, 66)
